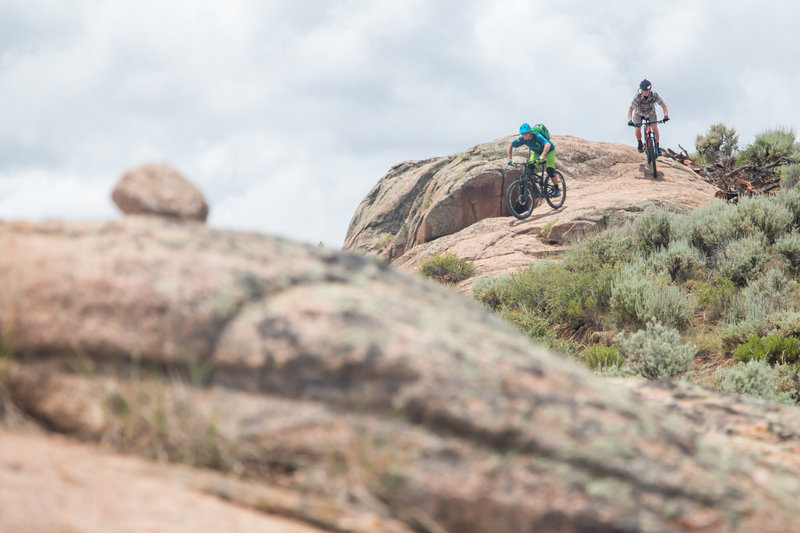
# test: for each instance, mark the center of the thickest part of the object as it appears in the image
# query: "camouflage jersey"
(646, 106)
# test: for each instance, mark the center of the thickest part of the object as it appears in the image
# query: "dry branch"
(747, 180)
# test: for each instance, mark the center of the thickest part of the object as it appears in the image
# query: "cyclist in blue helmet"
(542, 151)
(644, 105)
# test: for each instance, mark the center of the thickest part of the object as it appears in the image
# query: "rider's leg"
(654, 125)
(637, 121)
(532, 161)
(550, 160)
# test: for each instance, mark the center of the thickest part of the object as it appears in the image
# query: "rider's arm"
(547, 145)
(661, 102)
(630, 114)
(515, 143)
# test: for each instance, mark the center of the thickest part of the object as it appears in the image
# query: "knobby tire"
(653, 163)
(558, 201)
(519, 209)
(651, 155)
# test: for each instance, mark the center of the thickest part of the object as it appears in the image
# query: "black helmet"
(645, 85)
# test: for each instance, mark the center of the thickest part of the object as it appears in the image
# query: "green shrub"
(680, 260)
(491, 292)
(637, 295)
(743, 259)
(652, 229)
(577, 298)
(776, 286)
(598, 357)
(735, 333)
(751, 350)
(764, 215)
(532, 324)
(772, 292)
(790, 199)
(530, 288)
(790, 176)
(768, 147)
(773, 349)
(788, 246)
(716, 296)
(565, 347)
(718, 145)
(539, 328)
(380, 242)
(609, 248)
(786, 379)
(574, 291)
(582, 298)
(765, 297)
(769, 303)
(783, 323)
(680, 227)
(710, 227)
(656, 352)
(447, 268)
(754, 378)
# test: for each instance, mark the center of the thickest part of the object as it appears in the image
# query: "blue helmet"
(525, 128)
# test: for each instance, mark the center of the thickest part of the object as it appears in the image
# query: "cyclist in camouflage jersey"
(644, 105)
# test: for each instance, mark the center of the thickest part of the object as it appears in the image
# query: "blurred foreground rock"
(335, 390)
(51, 485)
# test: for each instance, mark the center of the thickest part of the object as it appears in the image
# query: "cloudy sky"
(287, 112)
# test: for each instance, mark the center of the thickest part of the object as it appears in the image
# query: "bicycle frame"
(535, 178)
(650, 141)
(531, 185)
(648, 128)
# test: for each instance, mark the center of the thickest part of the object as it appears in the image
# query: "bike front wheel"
(555, 199)
(519, 199)
(652, 153)
(653, 162)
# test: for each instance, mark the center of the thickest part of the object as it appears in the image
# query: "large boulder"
(159, 189)
(457, 203)
(383, 402)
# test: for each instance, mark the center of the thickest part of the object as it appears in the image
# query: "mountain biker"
(644, 105)
(542, 151)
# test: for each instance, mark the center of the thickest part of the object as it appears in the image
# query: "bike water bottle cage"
(525, 128)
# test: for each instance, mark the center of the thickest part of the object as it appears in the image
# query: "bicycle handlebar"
(522, 165)
(645, 121)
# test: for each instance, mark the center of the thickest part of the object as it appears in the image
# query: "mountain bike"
(650, 142)
(522, 193)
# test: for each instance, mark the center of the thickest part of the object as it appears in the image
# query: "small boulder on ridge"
(158, 189)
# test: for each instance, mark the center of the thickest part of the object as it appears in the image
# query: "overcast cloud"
(286, 113)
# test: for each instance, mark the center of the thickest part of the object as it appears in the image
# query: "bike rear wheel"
(558, 200)
(519, 199)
